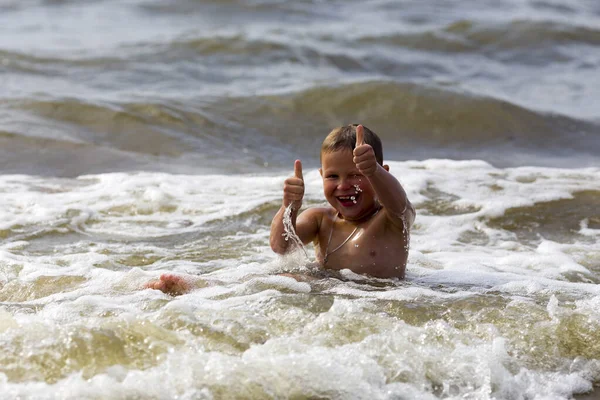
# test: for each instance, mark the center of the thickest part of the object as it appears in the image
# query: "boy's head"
(344, 137)
(344, 187)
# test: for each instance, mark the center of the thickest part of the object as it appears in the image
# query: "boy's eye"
(332, 176)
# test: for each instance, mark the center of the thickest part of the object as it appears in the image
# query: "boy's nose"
(344, 184)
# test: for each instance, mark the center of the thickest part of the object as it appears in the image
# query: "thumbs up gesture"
(364, 156)
(293, 188)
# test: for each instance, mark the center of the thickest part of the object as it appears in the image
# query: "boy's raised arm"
(390, 192)
(305, 225)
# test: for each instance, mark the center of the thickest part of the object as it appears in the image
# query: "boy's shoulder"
(318, 211)
(315, 214)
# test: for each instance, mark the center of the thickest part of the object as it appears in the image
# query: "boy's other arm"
(392, 196)
(306, 224)
(389, 191)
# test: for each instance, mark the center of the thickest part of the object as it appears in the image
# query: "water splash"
(406, 230)
(290, 232)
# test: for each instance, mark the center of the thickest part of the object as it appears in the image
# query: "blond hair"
(344, 137)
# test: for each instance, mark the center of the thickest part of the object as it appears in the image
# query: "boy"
(366, 229)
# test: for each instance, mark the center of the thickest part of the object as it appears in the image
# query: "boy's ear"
(321, 172)
(386, 167)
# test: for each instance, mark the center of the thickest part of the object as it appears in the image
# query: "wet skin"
(378, 247)
(363, 196)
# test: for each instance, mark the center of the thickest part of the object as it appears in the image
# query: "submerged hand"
(170, 284)
(364, 156)
(293, 188)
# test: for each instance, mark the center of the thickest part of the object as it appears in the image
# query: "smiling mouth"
(348, 201)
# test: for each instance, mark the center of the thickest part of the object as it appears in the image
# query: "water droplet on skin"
(355, 245)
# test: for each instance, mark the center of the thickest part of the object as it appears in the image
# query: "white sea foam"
(75, 254)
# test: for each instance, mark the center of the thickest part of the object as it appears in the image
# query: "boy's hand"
(364, 156)
(293, 188)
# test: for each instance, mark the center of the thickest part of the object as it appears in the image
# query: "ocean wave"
(494, 40)
(407, 113)
(520, 33)
(234, 7)
(407, 116)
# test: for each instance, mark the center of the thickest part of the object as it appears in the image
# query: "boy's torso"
(377, 247)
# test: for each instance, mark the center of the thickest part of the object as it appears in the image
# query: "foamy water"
(490, 308)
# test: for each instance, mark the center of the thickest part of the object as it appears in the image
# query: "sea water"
(499, 301)
(144, 137)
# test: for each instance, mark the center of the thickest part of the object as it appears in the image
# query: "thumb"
(298, 169)
(360, 138)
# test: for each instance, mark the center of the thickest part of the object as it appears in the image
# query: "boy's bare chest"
(370, 249)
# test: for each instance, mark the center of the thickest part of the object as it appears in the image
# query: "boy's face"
(345, 188)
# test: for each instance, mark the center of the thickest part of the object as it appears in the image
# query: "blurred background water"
(139, 137)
